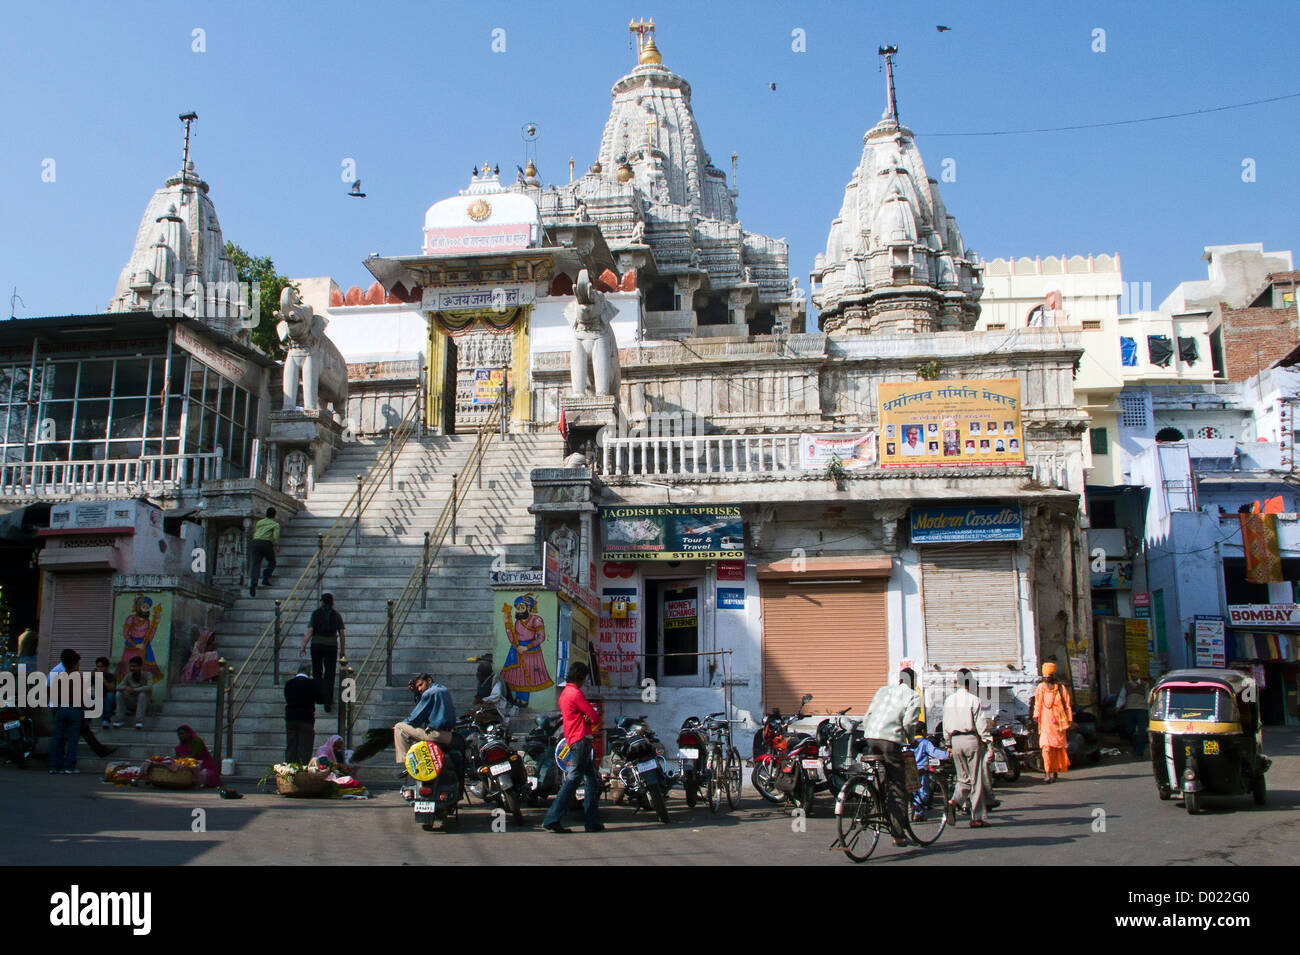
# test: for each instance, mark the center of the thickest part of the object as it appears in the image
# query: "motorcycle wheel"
(692, 792)
(928, 829)
(855, 807)
(656, 794)
(761, 778)
(734, 773)
(1013, 768)
(511, 800)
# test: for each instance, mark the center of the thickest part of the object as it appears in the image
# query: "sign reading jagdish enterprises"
(978, 522)
(672, 532)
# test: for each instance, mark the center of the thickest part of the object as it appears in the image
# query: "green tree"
(270, 283)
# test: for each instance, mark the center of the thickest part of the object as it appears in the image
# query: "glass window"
(154, 427)
(128, 418)
(54, 451)
(238, 440)
(55, 422)
(88, 451)
(1195, 703)
(251, 423)
(132, 377)
(60, 379)
(20, 383)
(91, 422)
(157, 367)
(227, 398)
(96, 379)
(175, 409)
(6, 381)
(1097, 438)
(193, 424)
(212, 390)
(196, 381)
(118, 450)
(180, 372)
(208, 440)
(241, 405)
(153, 448)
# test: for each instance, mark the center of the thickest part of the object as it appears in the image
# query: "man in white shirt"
(966, 729)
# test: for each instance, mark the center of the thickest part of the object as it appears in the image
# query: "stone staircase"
(457, 623)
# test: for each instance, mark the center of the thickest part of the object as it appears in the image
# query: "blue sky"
(414, 94)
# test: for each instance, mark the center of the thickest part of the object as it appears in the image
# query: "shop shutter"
(971, 606)
(829, 638)
(83, 618)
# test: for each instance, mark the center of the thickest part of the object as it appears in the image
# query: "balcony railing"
(126, 476)
(702, 454)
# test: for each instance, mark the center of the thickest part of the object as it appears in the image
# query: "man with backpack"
(325, 634)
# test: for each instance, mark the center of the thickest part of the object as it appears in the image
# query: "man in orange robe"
(1054, 714)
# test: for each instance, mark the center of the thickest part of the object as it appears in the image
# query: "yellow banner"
(950, 423)
(1260, 545)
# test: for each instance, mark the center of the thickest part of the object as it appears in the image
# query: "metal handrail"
(259, 658)
(379, 658)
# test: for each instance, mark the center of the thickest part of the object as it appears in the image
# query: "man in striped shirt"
(890, 724)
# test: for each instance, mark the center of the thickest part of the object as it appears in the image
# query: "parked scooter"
(435, 788)
(643, 772)
(17, 735)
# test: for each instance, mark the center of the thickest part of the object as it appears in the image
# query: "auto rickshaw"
(1206, 736)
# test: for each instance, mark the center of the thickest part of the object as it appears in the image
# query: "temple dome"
(483, 218)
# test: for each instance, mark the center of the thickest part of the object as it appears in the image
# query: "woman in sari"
(1052, 710)
(191, 747)
(331, 755)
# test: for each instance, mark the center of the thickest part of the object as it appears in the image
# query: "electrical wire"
(1121, 122)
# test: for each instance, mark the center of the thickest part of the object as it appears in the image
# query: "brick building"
(1257, 335)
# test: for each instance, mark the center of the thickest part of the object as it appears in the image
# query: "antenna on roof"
(13, 300)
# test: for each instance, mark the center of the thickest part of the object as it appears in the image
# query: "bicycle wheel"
(735, 778)
(933, 817)
(857, 812)
(716, 780)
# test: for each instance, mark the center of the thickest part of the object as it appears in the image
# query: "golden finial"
(487, 168)
(530, 170)
(597, 168)
(625, 172)
(647, 52)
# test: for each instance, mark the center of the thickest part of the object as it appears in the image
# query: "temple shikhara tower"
(894, 259)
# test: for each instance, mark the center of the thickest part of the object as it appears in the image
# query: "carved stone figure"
(638, 232)
(296, 466)
(312, 359)
(230, 554)
(565, 540)
(589, 316)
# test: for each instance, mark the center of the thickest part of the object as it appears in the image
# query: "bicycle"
(724, 766)
(861, 812)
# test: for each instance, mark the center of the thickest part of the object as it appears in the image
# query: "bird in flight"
(941, 29)
(356, 192)
(771, 86)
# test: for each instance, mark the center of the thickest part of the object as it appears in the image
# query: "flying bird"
(356, 192)
(942, 29)
(771, 86)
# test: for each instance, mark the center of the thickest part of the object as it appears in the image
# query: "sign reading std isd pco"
(672, 532)
(931, 424)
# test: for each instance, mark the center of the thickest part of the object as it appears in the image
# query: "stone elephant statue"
(593, 340)
(312, 360)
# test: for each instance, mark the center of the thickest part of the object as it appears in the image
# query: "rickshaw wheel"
(1260, 790)
(1192, 802)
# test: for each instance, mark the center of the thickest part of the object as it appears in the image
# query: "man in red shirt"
(579, 722)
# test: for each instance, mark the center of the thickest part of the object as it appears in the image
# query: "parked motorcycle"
(544, 774)
(693, 754)
(17, 735)
(835, 746)
(643, 771)
(1006, 761)
(501, 771)
(770, 744)
(435, 789)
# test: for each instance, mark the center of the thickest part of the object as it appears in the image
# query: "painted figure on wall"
(137, 637)
(525, 667)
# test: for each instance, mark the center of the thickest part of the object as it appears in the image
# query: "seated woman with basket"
(192, 747)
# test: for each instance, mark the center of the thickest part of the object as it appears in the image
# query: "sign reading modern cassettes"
(979, 522)
(950, 423)
(672, 532)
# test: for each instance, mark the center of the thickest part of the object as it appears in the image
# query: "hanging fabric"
(1259, 543)
(1160, 350)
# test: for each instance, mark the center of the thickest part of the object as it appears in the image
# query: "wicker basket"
(163, 776)
(302, 785)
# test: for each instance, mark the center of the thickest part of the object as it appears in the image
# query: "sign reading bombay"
(1274, 615)
(672, 532)
(851, 450)
(980, 522)
(932, 424)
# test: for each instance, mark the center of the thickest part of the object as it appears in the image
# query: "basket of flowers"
(163, 772)
(123, 774)
(299, 781)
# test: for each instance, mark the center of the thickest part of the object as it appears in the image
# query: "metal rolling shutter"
(83, 617)
(971, 606)
(829, 638)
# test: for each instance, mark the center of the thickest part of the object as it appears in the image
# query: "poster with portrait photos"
(950, 423)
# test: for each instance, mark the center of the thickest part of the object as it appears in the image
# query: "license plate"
(689, 753)
(839, 808)
(647, 766)
(13, 725)
(422, 806)
(812, 764)
(499, 768)
(1008, 744)
(935, 763)
(999, 766)
(1211, 746)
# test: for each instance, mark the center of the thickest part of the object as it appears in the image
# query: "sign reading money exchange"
(672, 532)
(977, 522)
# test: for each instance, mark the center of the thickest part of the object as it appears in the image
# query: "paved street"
(81, 821)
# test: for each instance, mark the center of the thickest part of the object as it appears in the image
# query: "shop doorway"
(674, 631)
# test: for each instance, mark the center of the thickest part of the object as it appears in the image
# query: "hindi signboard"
(852, 450)
(672, 532)
(487, 385)
(950, 423)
